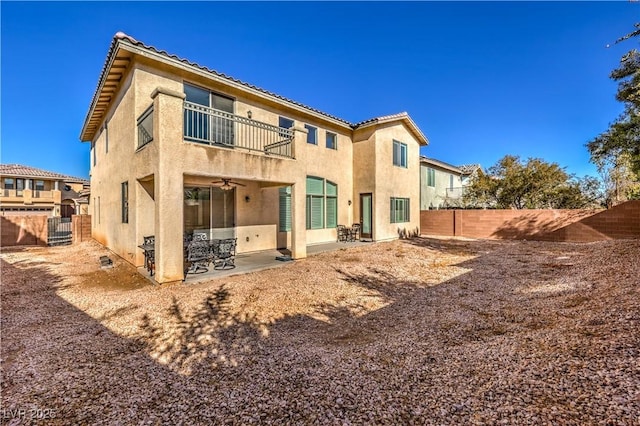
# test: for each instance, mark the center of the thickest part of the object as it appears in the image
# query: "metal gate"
(59, 231)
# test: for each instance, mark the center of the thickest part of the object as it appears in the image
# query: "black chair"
(343, 233)
(354, 232)
(149, 253)
(224, 253)
(199, 255)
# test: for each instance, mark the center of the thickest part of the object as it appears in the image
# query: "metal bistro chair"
(225, 253)
(354, 232)
(199, 255)
(343, 233)
(149, 253)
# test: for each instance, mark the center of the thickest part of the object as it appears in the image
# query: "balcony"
(219, 128)
(10, 193)
(455, 193)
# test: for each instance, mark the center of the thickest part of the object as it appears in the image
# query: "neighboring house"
(177, 147)
(441, 184)
(28, 190)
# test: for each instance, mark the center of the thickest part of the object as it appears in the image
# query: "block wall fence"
(619, 222)
(31, 230)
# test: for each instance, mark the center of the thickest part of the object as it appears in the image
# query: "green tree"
(617, 150)
(536, 184)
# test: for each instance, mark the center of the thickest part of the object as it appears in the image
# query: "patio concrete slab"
(259, 261)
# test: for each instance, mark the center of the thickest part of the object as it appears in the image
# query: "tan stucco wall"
(395, 181)
(433, 197)
(158, 172)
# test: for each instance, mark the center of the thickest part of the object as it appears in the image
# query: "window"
(125, 201)
(322, 203)
(315, 203)
(39, 185)
(93, 152)
(431, 177)
(285, 123)
(9, 183)
(399, 154)
(332, 140)
(312, 134)
(332, 204)
(399, 210)
(451, 181)
(285, 209)
(106, 138)
(145, 127)
(19, 186)
(204, 125)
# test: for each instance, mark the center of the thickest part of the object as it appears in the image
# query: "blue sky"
(481, 80)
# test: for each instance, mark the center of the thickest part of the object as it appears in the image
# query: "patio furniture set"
(199, 253)
(346, 233)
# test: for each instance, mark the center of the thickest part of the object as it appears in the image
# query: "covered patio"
(259, 261)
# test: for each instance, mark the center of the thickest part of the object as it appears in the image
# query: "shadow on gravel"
(212, 336)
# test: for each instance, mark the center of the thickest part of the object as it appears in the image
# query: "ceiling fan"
(226, 184)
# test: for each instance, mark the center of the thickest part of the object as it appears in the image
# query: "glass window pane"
(331, 140)
(312, 135)
(8, 183)
(196, 95)
(222, 103)
(285, 123)
(332, 189)
(332, 212)
(285, 209)
(317, 212)
(315, 186)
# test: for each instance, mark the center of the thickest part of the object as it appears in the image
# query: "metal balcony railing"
(214, 127)
(145, 127)
(455, 193)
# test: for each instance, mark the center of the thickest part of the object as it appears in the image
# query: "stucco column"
(168, 188)
(299, 196)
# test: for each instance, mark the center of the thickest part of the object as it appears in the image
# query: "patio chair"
(199, 255)
(354, 232)
(225, 254)
(149, 253)
(343, 233)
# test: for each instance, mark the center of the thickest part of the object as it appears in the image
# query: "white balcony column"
(56, 185)
(299, 196)
(168, 187)
(28, 184)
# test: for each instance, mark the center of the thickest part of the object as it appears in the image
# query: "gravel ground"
(421, 331)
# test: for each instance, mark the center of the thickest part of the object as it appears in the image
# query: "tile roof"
(28, 171)
(122, 38)
(467, 169)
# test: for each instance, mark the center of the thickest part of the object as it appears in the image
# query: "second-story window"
(399, 154)
(332, 140)
(125, 201)
(39, 185)
(451, 181)
(312, 134)
(207, 116)
(9, 183)
(431, 177)
(145, 127)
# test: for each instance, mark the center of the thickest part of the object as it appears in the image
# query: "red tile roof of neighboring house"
(20, 170)
(121, 37)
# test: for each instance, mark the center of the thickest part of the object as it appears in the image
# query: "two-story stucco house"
(442, 184)
(29, 190)
(177, 147)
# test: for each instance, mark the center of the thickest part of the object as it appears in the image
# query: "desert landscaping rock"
(421, 331)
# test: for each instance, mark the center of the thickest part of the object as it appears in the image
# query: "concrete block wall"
(620, 222)
(25, 230)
